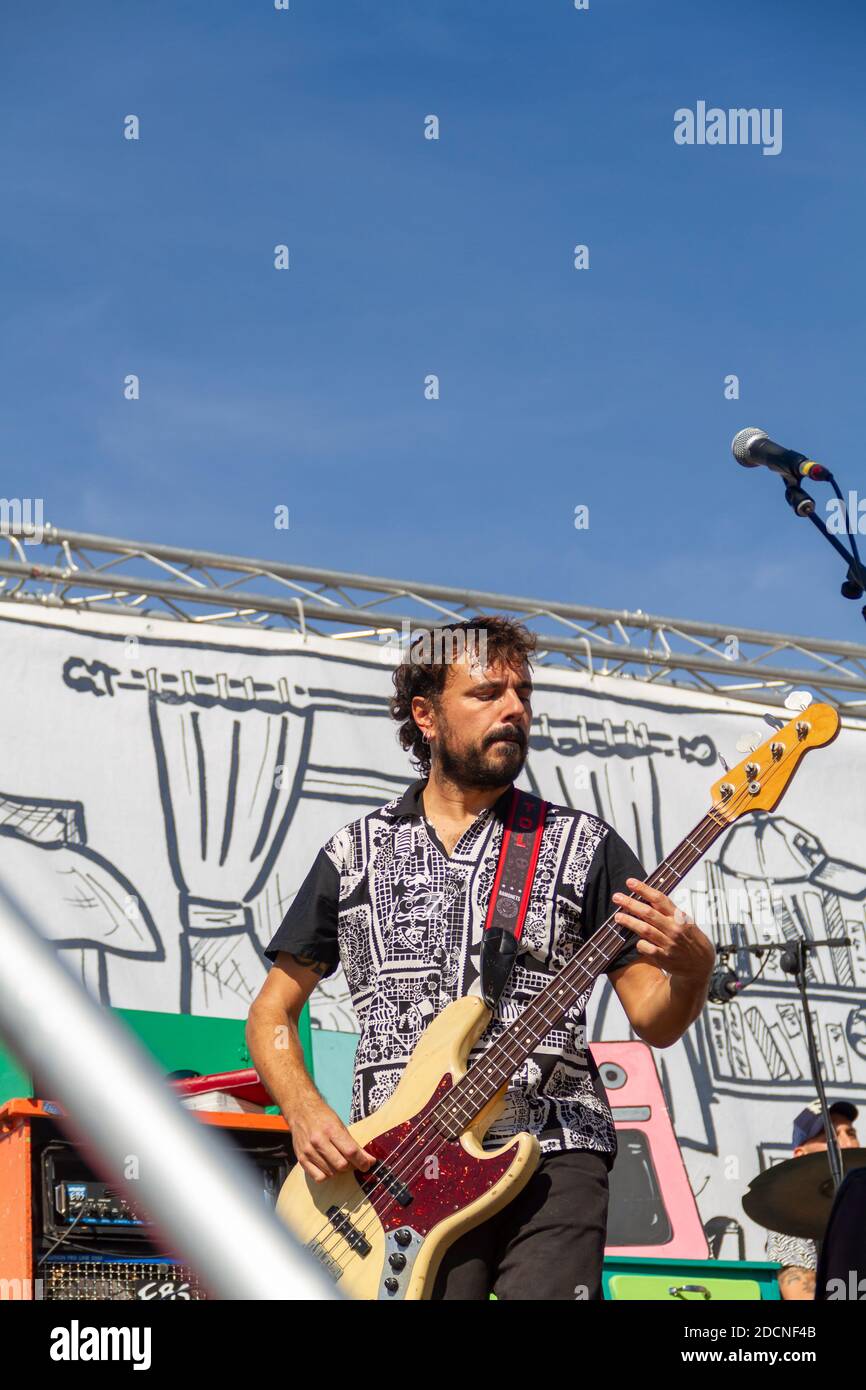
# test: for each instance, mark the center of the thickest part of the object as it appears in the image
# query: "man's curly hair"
(506, 641)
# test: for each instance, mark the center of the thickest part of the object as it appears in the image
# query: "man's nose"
(513, 705)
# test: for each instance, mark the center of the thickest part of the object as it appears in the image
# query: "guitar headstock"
(757, 783)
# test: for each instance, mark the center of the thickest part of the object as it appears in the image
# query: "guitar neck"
(511, 1049)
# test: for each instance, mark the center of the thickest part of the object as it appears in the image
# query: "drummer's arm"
(797, 1283)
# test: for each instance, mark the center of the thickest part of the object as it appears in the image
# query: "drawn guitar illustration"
(382, 1234)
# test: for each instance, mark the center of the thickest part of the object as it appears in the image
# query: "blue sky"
(409, 256)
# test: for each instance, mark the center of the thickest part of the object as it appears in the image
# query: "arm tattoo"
(318, 967)
(795, 1282)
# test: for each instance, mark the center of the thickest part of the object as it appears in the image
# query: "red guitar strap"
(509, 897)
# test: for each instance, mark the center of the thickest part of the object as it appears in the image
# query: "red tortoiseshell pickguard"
(438, 1172)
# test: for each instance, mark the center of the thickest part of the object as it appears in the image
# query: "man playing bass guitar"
(399, 897)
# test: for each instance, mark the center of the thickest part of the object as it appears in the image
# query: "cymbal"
(795, 1197)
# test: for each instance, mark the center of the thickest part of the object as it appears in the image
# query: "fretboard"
(502, 1059)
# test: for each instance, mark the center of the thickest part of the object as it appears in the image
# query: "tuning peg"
(723, 763)
(798, 700)
(747, 743)
(773, 722)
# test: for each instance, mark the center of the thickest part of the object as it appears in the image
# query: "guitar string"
(416, 1136)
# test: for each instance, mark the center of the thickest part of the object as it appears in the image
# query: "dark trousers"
(546, 1244)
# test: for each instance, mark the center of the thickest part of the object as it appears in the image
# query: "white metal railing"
(124, 1118)
(137, 578)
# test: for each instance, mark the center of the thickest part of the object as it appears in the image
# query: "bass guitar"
(382, 1234)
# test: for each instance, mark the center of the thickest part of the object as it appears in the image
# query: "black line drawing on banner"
(87, 904)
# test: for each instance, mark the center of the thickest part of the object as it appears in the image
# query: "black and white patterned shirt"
(405, 920)
(798, 1251)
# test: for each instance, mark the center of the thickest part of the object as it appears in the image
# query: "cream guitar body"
(426, 1188)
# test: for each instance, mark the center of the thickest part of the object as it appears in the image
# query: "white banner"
(166, 787)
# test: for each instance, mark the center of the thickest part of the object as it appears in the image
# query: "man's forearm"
(275, 1048)
(671, 1008)
(797, 1284)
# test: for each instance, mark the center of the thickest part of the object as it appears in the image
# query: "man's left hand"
(669, 938)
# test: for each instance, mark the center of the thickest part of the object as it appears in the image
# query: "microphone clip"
(799, 500)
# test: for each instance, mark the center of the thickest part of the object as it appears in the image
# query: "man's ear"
(421, 709)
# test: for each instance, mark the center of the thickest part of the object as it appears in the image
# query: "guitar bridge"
(327, 1262)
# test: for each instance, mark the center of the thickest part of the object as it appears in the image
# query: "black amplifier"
(88, 1241)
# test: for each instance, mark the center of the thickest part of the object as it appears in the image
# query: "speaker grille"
(106, 1279)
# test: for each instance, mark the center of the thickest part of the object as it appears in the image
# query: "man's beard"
(494, 765)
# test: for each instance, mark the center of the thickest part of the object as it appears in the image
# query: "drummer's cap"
(810, 1122)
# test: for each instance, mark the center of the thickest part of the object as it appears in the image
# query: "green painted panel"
(692, 1288)
(176, 1041)
(674, 1271)
(14, 1081)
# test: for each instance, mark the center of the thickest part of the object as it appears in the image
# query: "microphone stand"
(793, 961)
(803, 504)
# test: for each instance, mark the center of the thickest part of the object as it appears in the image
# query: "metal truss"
(69, 569)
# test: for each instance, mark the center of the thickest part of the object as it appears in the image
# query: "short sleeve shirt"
(406, 920)
(792, 1250)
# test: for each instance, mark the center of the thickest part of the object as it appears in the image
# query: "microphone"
(752, 448)
(725, 985)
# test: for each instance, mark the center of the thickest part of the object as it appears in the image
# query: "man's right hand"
(323, 1145)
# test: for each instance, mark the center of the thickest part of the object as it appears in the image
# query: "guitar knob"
(403, 1237)
(392, 1285)
(397, 1261)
